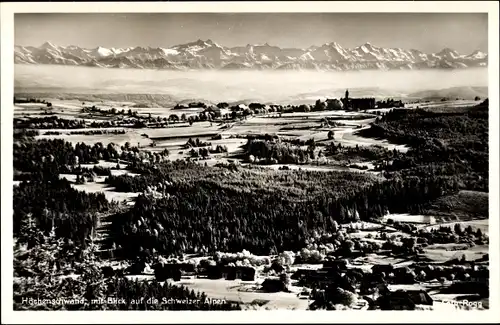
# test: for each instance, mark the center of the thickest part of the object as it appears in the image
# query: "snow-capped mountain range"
(210, 55)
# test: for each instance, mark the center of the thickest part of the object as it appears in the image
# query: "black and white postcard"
(269, 158)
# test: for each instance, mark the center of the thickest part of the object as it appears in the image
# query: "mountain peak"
(477, 54)
(448, 53)
(199, 42)
(48, 45)
(102, 51)
(447, 50)
(367, 45)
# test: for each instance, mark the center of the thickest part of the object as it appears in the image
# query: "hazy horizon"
(428, 32)
(242, 85)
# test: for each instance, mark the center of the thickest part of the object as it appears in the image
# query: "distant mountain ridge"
(210, 55)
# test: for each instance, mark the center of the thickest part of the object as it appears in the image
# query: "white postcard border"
(7, 11)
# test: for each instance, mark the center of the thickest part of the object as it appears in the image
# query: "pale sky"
(428, 32)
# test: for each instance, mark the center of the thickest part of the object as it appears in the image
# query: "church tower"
(346, 99)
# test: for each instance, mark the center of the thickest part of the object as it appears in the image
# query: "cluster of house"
(359, 104)
(376, 286)
(241, 110)
(333, 274)
(244, 273)
(337, 274)
(390, 103)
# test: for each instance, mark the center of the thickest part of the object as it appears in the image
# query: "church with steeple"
(357, 104)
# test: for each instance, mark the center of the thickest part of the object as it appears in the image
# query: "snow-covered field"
(304, 126)
(98, 186)
(247, 292)
(105, 164)
(404, 217)
(352, 139)
(447, 103)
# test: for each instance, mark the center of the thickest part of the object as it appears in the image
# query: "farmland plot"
(445, 252)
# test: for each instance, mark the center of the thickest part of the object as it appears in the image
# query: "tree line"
(48, 122)
(47, 158)
(272, 152)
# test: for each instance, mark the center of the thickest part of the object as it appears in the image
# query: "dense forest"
(57, 205)
(293, 184)
(364, 153)
(453, 144)
(206, 209)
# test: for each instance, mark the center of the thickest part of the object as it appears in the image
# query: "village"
(338, 279)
